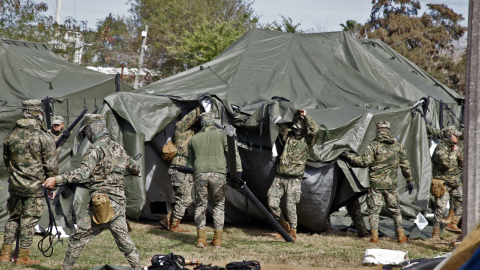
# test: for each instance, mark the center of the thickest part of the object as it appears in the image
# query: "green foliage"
(353, 27)
(173, 24)
(206, 41)
(427, 40)
(286, 26)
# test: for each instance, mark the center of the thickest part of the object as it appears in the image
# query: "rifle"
(239, 184)
(66, 133)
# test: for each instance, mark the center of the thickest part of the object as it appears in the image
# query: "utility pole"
(140, 61)
(471, 183)
(59, 8)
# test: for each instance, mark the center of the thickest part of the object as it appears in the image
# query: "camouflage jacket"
(294, 155)
(383, 156)
(30, 156)
(434, 132)
(445, 163)
(184, 131)
(104, 163)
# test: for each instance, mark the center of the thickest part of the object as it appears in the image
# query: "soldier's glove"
(66, 134)
(409, 187)
(344, 155)
(239, 176)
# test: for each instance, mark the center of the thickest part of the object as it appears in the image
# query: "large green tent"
(261, 80)
(31, 71)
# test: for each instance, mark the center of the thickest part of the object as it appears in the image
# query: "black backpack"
(167, 262)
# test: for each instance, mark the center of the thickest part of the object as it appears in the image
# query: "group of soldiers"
(32, 160)
(30, 156)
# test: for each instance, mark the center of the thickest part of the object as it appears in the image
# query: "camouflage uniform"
(445, 166)
(104, 163)
(183, 182)
(214, 184)
(382, 157)
(30, 156)
(291, 168)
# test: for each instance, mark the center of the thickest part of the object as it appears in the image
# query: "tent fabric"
(30, 70)
(258, 83)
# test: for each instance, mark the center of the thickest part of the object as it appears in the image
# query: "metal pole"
(471, 185)
(59, 9)
(140, 61)
(117, 82)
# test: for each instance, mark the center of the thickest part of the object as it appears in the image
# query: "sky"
(319, 15)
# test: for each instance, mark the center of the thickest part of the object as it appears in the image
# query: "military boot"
(362, 232)
(374, 236)
(457, 242)
(285, 226)
(293, 234)
(23, 258)
(436, 234)
(449, 218)
(201, 238)
(175, 226)
(401, 236)
(217, 238)
(452, 226)
(165, 222)
(6, 253)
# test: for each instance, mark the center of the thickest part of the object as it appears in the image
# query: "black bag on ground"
(167, 262)
(245, 265)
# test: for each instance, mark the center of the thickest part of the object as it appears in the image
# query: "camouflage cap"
(383, 124)
(32, 105)
(91, 118)
(57, 120)
(449, 131)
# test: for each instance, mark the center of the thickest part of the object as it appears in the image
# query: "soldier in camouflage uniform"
(206, 153)
(104, 163)
(382, 157)
(445, 161)
(30, 156)
(299, 139)
(182, 182)
(57, 130)
(355, 212)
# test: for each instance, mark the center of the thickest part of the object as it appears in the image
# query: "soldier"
(445, 167)
(104, 163)
(206, 153)
(354, 210)
(57, 130)
(382, 157)
(30, 156)
(182, 182)
(299, 139)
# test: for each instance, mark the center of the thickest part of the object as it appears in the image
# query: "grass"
(254, 242)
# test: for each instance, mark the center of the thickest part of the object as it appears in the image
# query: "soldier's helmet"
(383, 126)
(57, 120)
(33, 105)
(207, 119)
(449, 131)
(96, 126)
(33, 109)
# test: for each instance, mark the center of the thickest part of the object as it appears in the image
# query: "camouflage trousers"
(292, 187)
(455, 195)
(213, 186)
(374, 202)
(87, 230)
(355, 211)
(25, 212)
(182, 188)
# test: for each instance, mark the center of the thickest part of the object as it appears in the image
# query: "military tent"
(31, 71)
(260, 81)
